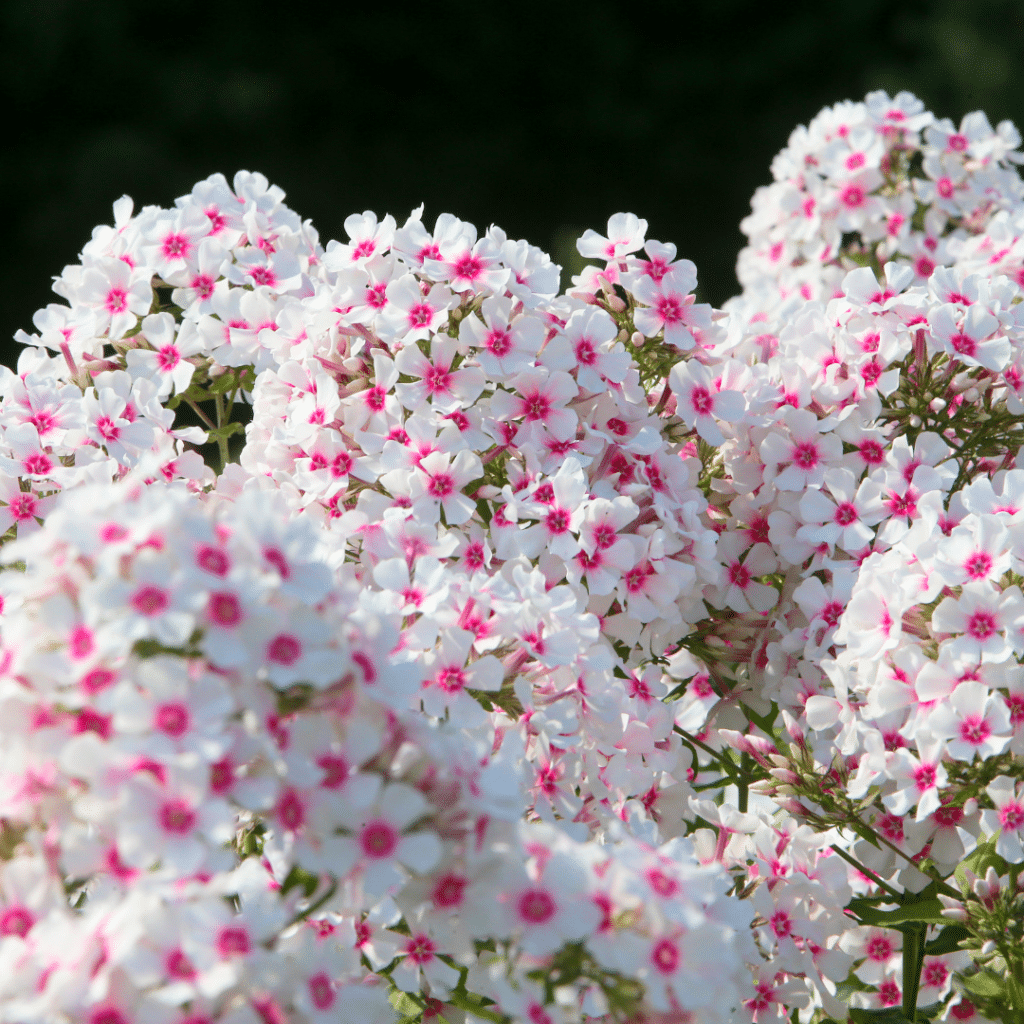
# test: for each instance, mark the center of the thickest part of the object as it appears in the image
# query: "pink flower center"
(375, 398)
(974, 729)
(805, 455)
(284, 649)
(149, 600)
(1011, 816)
(224, 608)
(535, 906)
(963, 345)
(468, 268)
(852, 196)
(117, 300)
(981, 625)
(947, 817)
(321, 991)
(378, 839)
(441, 485)
(781, 924)
(701, 400)
(107, 428)
(557, 520)
(203, 285)
(177, 818)
(233, 941)
(451, 679)
(212, 560)
(335, 769)
(978, 565)
(665, 956)
(585, 353)
(924, 777)
(846, 513)
(168, 358)
(662, 884)
(536, 407)
(739, 575)
(172, 718)
(449, 891)
(498, 342)
(263, 276)
(16, 920)
(38, 463)
(670, 309)
(878, 948)
(178, 965)
(290, 811)
(420, 949)
(889, 993)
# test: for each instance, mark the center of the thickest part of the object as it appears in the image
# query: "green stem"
(199, 412)
(913, 962)
(464, 1003)
(867, 872)
(743, 786)
(222, 441)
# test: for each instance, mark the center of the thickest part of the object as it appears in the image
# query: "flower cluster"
(541, 649)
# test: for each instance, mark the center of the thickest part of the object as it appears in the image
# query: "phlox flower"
(976, 550)
(166, 362)
(626, 234)
(117, 294)
(798, 461)
(548, 903)
(170, 242)
(970, 337)
(21, 508)
(918, 779)
(447, 677)
(504, 344)
(367, 238)
(436, 484)
(973, 720)
(877, 949)
(987, 622)
(446, 389)
(202, 281)
(844, 519)
(412, 315)
(740, 589)
(539, 398)
(699, 402)
(381, 844)
(176, 823)
(1007, 819)
(668, 306)
(110, 422)
(586, 346)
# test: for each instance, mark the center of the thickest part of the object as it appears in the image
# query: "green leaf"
(404, 1003)
(947, 941)
(984, 984)
(224, 383)
(927, 910)
(979, 862)
(888, 1014)
(299, 876)
(227, 430)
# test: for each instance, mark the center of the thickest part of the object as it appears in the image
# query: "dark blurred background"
(544, 120)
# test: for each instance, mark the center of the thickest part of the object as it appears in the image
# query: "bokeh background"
(543, 119)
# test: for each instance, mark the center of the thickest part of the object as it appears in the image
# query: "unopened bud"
(638, 339)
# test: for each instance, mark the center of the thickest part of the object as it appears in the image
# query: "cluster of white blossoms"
(544, 657)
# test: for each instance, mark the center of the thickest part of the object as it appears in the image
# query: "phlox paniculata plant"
(538, 656)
